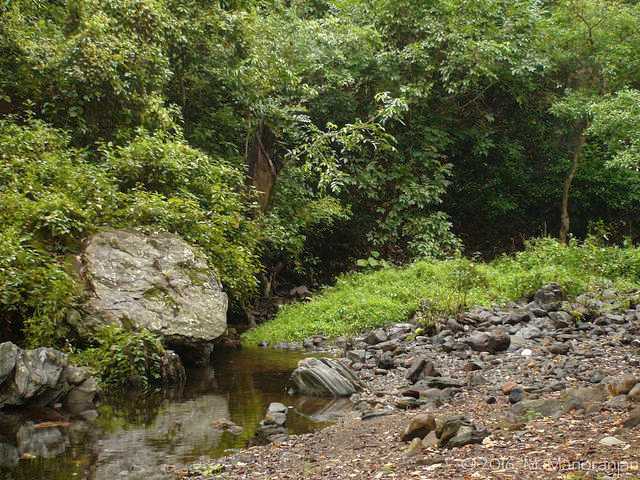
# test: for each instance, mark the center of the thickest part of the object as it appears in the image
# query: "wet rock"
(324, 377)
(172, 372)
(421, 367)
(419, 427)
(376, 336)
(276, 414)
(82, 397)
(493, 342)
(226, 425)
(157, 282)
(8, 356)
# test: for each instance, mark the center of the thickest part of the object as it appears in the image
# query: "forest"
(296, 141)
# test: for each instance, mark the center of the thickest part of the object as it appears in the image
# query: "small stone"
(508, 387)
(559, 348)
(491, 400)
(516, 395)
(526, 352)
(419, 427)
(376, 336)
(611, 442)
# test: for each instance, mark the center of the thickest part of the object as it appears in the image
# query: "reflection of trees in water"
(137, 434)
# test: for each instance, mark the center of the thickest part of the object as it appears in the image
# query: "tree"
(593, 50)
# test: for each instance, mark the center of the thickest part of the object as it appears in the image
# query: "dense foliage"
(290, 140)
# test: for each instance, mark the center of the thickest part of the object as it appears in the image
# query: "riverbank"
(557, 401)
(428, 290)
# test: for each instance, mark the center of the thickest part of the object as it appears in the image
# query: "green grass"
(360, 301)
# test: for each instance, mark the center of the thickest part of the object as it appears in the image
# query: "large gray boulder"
(42, 377)
(157, 282)
(324, 377)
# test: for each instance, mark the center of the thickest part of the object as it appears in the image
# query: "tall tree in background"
(594, 51)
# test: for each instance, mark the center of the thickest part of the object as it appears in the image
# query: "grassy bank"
(361, 301)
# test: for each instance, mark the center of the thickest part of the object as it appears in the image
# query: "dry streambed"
(546, 389)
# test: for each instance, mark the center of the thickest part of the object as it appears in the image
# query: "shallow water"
(137, 437)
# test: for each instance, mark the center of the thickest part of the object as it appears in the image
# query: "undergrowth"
(361, 301)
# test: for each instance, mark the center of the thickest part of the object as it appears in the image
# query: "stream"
(146, 437)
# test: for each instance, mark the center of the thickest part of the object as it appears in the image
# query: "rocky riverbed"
(544, 388)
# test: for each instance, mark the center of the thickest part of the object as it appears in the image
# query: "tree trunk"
(261, 169)
(565, 219)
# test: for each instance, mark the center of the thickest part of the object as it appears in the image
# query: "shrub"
(123, 358)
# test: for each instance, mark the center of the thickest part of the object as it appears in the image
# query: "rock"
(508, 387)
(40, 377)
(497, 341)
(324, 377)
(388, 346)
(157, 282)
(549, 296)
(226, 425)
(457, 431)
(633, 420)
(527, 352)
(8, 356)
(376, 336)
(491, 400)
(467, 434)
(421, 367)
(430, 441)
(75, 375)
(172, 372)
(558, 348)
(386, 361)
(611, 442)
(371, 414)
(414, 448)
(357, 356)
(529, 332)
(473, 366)
(519, 316)
(439, 382)
(516, 395)
(419, 427)
(82, 397)
(37, 377)
(561, 319)
(621, 385)
(634, 393)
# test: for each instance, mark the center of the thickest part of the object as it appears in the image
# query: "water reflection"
(137, 437)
